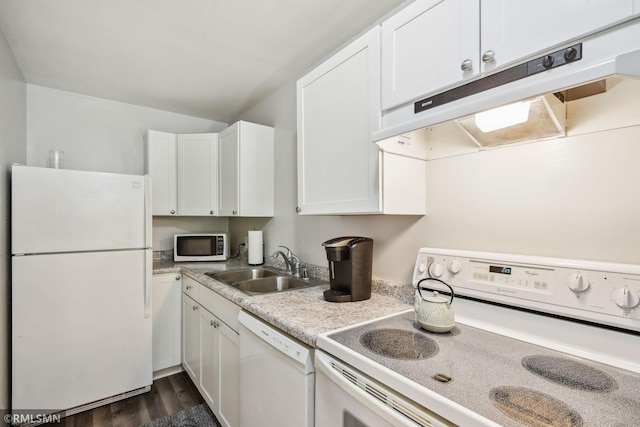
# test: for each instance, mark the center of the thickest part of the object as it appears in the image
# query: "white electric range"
(538, 341)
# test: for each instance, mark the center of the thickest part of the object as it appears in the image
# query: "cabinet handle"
(488, 56)
(188, 286)
(466, 65)
(195, 307)
(172, 212)
(298, 210)
(234, 212)
(178, 278)
(211, 212)
(212, 323)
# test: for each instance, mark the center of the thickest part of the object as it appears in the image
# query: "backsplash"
(162, 255)
(401, 291)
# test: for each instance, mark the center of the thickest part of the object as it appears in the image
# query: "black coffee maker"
(350, 260)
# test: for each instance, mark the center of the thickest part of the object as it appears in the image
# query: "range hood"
(611, 55)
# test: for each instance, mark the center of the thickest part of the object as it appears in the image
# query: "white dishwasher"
(277, 377)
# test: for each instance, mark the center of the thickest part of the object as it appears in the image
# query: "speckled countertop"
(301, 313)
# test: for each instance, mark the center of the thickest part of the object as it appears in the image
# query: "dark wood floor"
(168, 396)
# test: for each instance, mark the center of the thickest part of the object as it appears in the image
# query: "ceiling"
(205, 58)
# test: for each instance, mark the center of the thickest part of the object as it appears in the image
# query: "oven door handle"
(413, 416)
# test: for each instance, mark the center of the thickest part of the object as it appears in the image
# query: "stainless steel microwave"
(200, 247)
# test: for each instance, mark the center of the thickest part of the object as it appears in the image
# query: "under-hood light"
(540, 117)
(502, 117)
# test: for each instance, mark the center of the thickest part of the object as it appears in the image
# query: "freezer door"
(57, 210)
(79, 331)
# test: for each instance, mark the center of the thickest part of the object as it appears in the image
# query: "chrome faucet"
(291, 261)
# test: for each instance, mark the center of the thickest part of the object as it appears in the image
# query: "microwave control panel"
(605, 293)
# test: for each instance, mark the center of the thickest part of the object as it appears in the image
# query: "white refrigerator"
(81, 288)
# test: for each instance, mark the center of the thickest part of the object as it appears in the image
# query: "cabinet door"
(256, 170)
(518, 29)
(191, 338)
(228, 197)
(167, 320)
(229, 414)
(198, 174)
(162, 167)
(429, 45)
(338, 107)
(247, 170)
(210, 359)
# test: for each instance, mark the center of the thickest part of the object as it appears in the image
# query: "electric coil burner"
(570, 373)
(399, 344)
(530, 407)
(508, 361)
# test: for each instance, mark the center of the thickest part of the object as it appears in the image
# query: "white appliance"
(201, 247)
(81, 288)
(535, 339)
(276, 377)
(611, 53)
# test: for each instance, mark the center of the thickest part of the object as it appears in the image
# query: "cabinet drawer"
(224, 309)
(191, 287)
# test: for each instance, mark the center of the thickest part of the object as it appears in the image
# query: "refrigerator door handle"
(148, 275)
(148, 231)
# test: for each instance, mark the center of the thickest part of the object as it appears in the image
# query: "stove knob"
(454, 266)
(422, 267)
(625, 298)
(577, 282)
(436, 270)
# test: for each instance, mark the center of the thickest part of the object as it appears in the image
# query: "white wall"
(574, 197)
(97, 134)
(108, 136)
(12, 150)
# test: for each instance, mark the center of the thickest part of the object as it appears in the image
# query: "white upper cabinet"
(338, 108)
(246, 170)
(429, 45)
(184, 173)
(518, 29)
(162, 166)
(198, 174)
(340, 171)
(433, 45)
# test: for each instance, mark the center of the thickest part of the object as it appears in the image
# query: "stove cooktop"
(508, 381)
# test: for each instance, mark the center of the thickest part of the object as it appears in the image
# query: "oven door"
(347, 398)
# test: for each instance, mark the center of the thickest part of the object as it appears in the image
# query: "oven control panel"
(605, 293)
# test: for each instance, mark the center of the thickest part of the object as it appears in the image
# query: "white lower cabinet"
(210, 349)
(191, 338)
(167, 321)
(210, 346)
